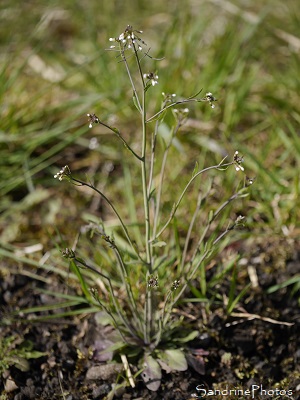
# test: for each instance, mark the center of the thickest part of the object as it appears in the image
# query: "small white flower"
(238, 161)
(151, 77)
(93, 119)
(129, 38)
(249, 181)
(210, 98)
(239, 168)
(175, 284)
(63, 173)
(168, 98)
(181, 114)
(239, 220)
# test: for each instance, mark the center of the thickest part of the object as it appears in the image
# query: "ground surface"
(259, 344)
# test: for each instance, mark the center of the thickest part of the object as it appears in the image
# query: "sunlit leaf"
(159, 244)
(196, 169)
(20, 362)
(191, 336)
(174, 358)
(135, 102)
(151, 373)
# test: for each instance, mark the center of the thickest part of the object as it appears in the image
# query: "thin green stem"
(117, 132)
(130, 77)
(162, 173)
(228, 229)
(189, 100)
(152, 160)
(176, 205)
(124, 276)
(189, 232)
(114, 210)
(149, 296)
(191, 270)
(153, 148)
(115, 302)
(176, 298)
(145, 194)
(212, 218)
(143, 166)
(161, 322)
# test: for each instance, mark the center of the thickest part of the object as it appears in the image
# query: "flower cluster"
(181, 114)
(153, 281)
(63, 173)
(239, 221)
(68, 253)
(210, 98)
(175, 284)
(93, 119)
(249, 181)
(238, 161)
(109, 240)
(128, 39)
(168, 98)
(152, 77)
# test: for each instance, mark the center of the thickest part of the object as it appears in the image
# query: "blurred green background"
(55, 69)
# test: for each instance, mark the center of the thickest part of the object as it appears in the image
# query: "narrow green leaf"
(74, 268)
(48, 307)
(210, 216)
(79, 299)
(196, 169)
(135, 102)
(188, 338)
(159, 244)
(288, 282)
(159, 117)
(234, 302)
(34, 354)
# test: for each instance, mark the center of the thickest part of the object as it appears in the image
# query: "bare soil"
(257, 344)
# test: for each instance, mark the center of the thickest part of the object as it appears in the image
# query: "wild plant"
(15, 351)
(149, 276)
